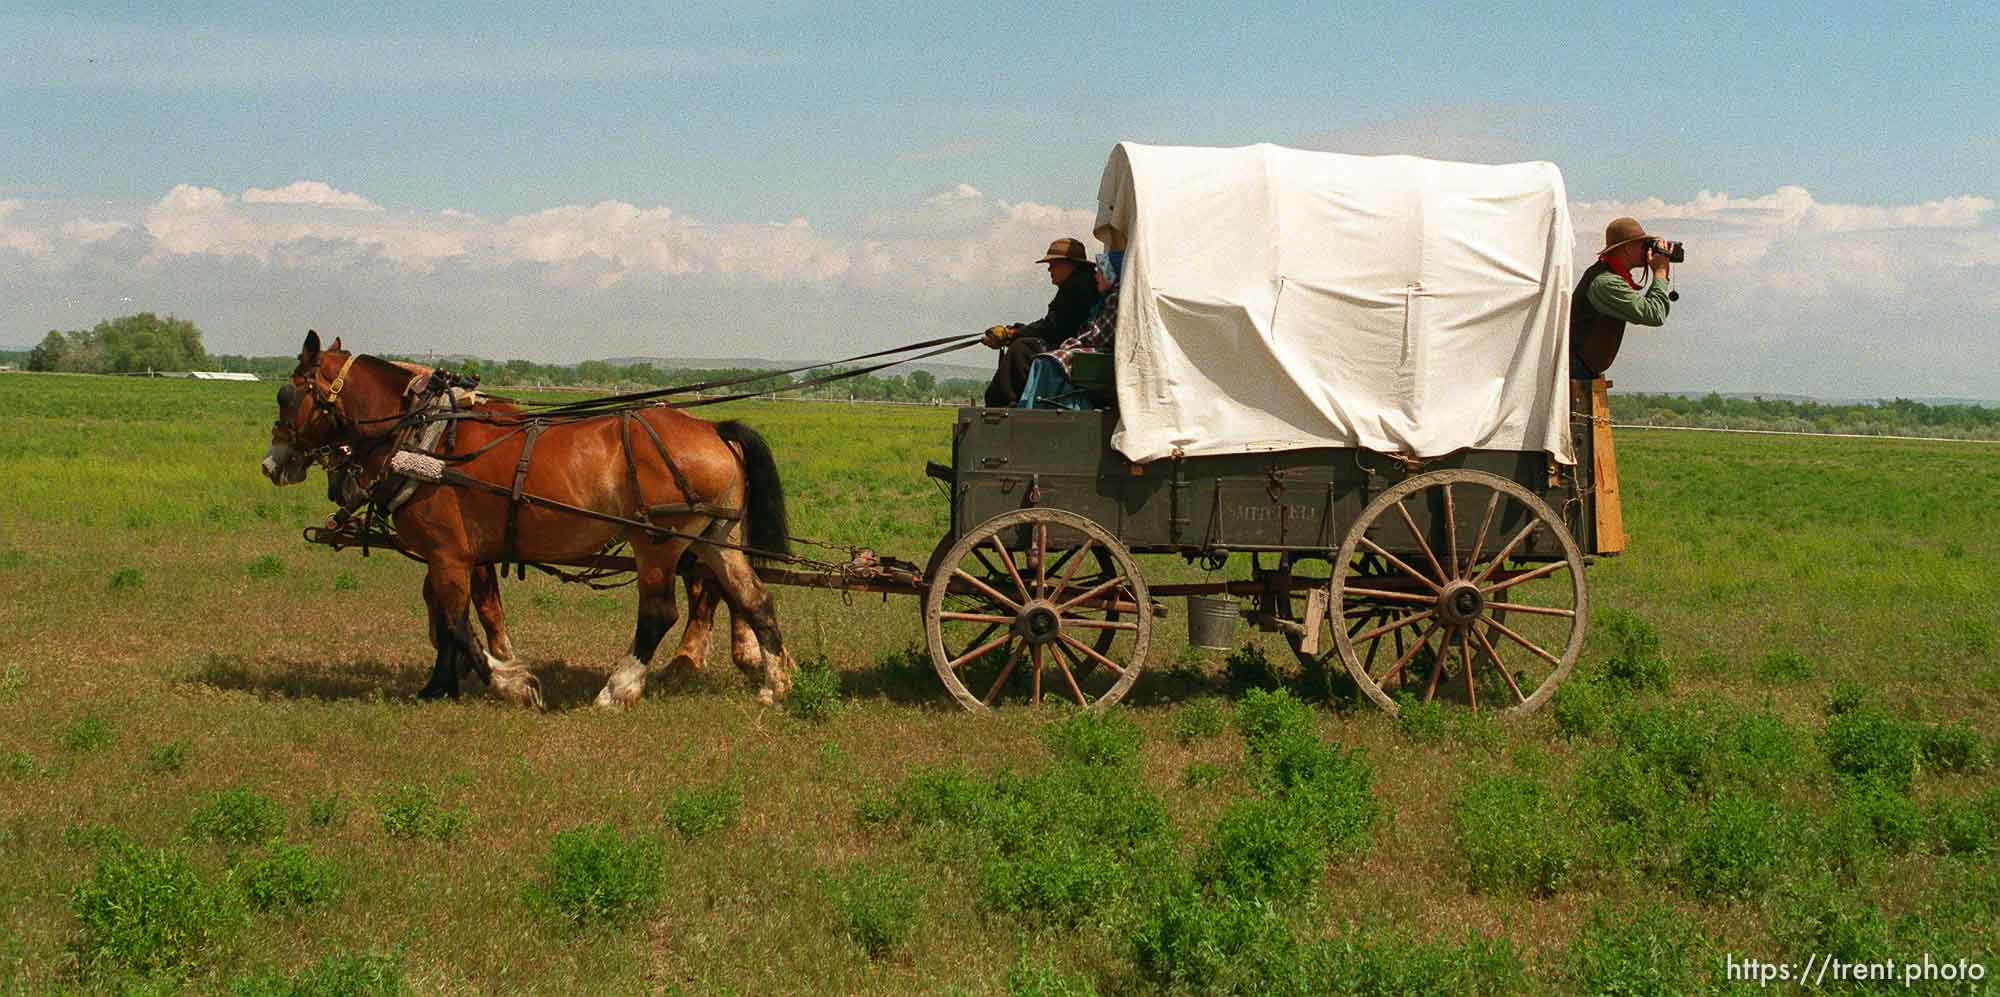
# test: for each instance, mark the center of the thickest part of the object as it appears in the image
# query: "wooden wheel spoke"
(1515, 607)
(1088, 624)
(1390, 596)
(1405, 657)
(1465, 662)
(1091, 653)
(1007, 559)
(1451, 529)
(1479, 539)
(989, 591)
(979, 554)
(1041, 557)
(1012, 660)
(1064, 659)
(980, 650)
(1398, 562)
(1422, 544)
(1526, 576)
(1035, 679)
(1437, 667)
(1498, 665)
(974, 617)
(1394, 625)
(1076, 558)
(1092, 593)
(1501, 558)
(1524, 642)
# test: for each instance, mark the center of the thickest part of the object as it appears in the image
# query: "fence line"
(1790, 432)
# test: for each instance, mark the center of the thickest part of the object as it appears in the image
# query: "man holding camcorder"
(1607, 297)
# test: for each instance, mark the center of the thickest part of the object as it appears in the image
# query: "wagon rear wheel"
(1037, 602)
(1458, 585)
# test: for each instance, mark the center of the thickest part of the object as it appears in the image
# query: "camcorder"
(1675, 252)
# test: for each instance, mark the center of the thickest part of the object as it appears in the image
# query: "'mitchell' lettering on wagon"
(1251, 513)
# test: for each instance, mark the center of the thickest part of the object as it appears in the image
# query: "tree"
(924, 381)
(146, 341)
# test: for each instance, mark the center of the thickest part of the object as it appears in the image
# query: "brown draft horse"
(336, 398)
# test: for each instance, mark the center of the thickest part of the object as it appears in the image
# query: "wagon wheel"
(1507, 636)
(1392, 643)
(1025, 600)
(1102, 643)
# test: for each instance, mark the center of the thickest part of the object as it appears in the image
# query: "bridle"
(326, 406)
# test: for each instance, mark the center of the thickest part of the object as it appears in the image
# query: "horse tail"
(764, 500)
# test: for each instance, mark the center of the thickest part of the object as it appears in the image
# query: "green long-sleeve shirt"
(1648, 305)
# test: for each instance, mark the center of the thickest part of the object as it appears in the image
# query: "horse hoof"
(431, 692)
(767, 697)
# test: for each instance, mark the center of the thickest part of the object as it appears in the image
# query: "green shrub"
(593, 874)
(1867, 743)
(148, 911)
(1064, 877)
(13, 679)
(697, 812)
(1108, 738)
(1951, 747)
(1332, 788)
(238, 814)
(1184, 940)
(1200, 720)
(169, 757)
(1267, 718)
(19, 764)
(1248, 668)
(1032, 977)
(1199, 774)
(1398, 963)
(1761, 747)
(1735, 848)
(417, 812)
(1651, 950)
(326, 811)
(1420, 722)
(875, 808)
(1637, 664)
(815, 692)
(267, 566)
(1889, 818)
(1817, 915)
(1582, 708)
(1066, 843)
(127, 579)
(87, 733)
(1847, 696)
(1262, 849)
(1786, 664)
(909, 664)
(1969, 826)
(1512, 836)
(343, 974)
(288, 876)
(942, 796)
(1677, 741)
(875, 907)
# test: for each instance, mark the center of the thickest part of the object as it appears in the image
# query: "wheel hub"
(1038, 623)
(1460, 603)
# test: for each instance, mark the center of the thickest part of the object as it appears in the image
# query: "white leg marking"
(627, 682)
(514, 683)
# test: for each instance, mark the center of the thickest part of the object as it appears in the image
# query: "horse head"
(312, 420)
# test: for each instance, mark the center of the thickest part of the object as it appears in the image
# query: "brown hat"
(1066, 251)
(1620, 232)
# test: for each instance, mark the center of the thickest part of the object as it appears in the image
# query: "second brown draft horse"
(694, 481)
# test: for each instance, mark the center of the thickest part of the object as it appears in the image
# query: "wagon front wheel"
(1477, 582)
(1034, 603)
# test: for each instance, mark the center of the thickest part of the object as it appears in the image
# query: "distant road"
(1780, 432)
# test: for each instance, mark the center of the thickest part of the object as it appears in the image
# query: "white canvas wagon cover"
(1279, 299)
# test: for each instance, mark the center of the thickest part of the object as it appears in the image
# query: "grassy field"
(214, 774)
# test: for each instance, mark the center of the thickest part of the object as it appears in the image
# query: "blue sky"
(868, 124)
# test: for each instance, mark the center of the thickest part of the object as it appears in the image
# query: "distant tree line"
(1897, 417)
(115, 346)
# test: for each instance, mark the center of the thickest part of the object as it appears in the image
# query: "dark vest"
(1593, 335)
